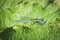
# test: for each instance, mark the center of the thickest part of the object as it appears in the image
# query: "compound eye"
(42, 20)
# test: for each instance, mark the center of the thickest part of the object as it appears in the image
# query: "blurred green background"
(12, 10)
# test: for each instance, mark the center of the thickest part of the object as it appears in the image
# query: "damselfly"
(31, 20)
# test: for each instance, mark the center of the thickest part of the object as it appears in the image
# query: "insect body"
(40, 20)
(32, 20)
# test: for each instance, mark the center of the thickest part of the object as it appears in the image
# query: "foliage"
(29, 9)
